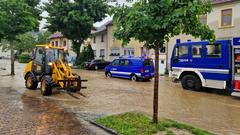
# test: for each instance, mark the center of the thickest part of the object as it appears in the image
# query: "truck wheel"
(46, 86)
(134, 78)
(191, 82)
(30, 82)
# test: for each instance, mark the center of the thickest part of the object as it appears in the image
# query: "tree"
(86, 55)
(42, 37)
(154, 22)
(24, 42)
(17, 17)
(75, 18)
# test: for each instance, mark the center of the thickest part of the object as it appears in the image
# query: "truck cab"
(202, 64)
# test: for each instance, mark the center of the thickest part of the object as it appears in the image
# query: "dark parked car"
(96, 64)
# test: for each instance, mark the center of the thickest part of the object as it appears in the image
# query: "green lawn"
(140, 124)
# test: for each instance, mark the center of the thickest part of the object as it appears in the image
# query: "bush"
(86, 55)
(24, 58)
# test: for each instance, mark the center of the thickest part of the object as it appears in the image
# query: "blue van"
(131, 68)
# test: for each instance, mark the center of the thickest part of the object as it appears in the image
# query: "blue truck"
(131, 68)
(202, 64)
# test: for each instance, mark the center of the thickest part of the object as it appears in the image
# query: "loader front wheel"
(46, 86)
(30, 82)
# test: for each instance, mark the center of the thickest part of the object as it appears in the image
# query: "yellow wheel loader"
(50, 67)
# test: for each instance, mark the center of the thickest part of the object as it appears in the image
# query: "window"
(102, 38)
(64, 43)
(226, 17)
(183, 51)
(94, 39)
(163, 50)
(214, 51)
(52, 43)
(124, 62)
(197, 51)
(115, 63)
(203, 19)
(102, 52)
(56, 43)
(148, 62)
(39, 55)
(115, 52)
(128, 52)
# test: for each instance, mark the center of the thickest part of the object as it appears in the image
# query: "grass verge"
(140, 124)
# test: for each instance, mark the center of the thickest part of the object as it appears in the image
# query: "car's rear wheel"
(191, 82)
(134, 78)
(96, 67)
(46, 86)
(30, 82)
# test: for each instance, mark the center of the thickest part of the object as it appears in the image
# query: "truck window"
(196, 51)
(183, 51)
(214, 50)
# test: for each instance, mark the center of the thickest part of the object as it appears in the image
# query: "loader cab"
(42, 58)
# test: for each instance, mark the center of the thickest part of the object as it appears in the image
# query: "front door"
(38, 61)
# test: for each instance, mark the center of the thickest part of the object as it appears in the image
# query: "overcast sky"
(44, 14)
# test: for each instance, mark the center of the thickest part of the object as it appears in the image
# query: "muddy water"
(214, 112)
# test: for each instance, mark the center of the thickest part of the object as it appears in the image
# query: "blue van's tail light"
(142, 70)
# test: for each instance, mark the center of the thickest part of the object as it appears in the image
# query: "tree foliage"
(42, 37)
(155, 21)
(75, 18)
(24, 42)
(17, 17)
(86, 55)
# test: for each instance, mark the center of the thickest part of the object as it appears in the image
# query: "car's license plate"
(146, 71)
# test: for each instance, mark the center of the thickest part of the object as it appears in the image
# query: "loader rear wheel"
(30, 82)
(46, 86)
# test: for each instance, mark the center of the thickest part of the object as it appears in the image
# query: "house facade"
(104, 43)
(58, 40)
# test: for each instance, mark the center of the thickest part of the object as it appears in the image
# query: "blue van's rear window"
(148, 62)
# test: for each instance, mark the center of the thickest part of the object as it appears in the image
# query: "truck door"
(196, 56)
(181, 56)
(38, 61)
(216, 62)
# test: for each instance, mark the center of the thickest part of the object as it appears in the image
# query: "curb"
(104, 128)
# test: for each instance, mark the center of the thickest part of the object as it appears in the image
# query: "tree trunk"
(12, 58)
(156, 82)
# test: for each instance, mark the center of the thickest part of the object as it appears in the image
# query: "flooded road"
(214, 112)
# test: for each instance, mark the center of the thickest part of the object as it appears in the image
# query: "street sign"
(236, 41)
